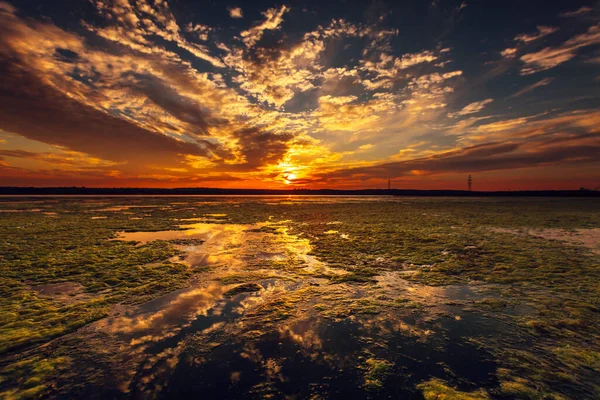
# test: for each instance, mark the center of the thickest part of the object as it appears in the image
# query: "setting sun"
(289, 178)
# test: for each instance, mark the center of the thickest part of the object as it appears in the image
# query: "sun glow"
(289, 171)
(289, 178)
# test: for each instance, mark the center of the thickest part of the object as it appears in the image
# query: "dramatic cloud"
(235, 12)
(542, 31)
(44, 114)
(157, 93)
(509, 52)
(550, 57)
(522, 148)
(471, 108)
(580, 11)
(273, 19)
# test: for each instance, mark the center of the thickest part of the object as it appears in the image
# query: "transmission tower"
(470, 182)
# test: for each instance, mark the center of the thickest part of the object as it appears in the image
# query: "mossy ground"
(436, 389)
(544, 292)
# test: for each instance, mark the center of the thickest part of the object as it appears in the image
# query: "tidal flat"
(299, 297)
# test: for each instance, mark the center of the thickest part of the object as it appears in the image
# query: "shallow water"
(292, 337)
(197, 342)
(266, 312)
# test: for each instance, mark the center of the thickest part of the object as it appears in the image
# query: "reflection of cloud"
(304, 334)
(171, 318)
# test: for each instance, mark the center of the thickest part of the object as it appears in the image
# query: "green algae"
(73, 248)
(31, 375)
(376, 372)
(546, 291)
(437, 389)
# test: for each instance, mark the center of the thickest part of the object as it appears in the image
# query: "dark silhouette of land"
(41, 191)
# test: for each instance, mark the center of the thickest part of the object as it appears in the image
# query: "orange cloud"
(140, 97)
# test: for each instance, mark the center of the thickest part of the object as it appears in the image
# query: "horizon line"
(15, 190)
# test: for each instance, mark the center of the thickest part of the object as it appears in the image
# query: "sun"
(289, 178)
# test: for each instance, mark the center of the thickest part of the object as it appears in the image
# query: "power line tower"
(389, 184)
(470, 182)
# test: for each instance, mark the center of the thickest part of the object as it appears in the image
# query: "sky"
(323, 94)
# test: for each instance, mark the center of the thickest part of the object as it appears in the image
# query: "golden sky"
(183, 94)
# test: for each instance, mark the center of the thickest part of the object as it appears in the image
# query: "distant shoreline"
(82, 191)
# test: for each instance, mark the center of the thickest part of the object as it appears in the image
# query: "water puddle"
(234, 348)
(65, 292)
(65, 288)
(265, 247)
(393, 283)
(267, 320)
(202, 231)
(165, 316)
